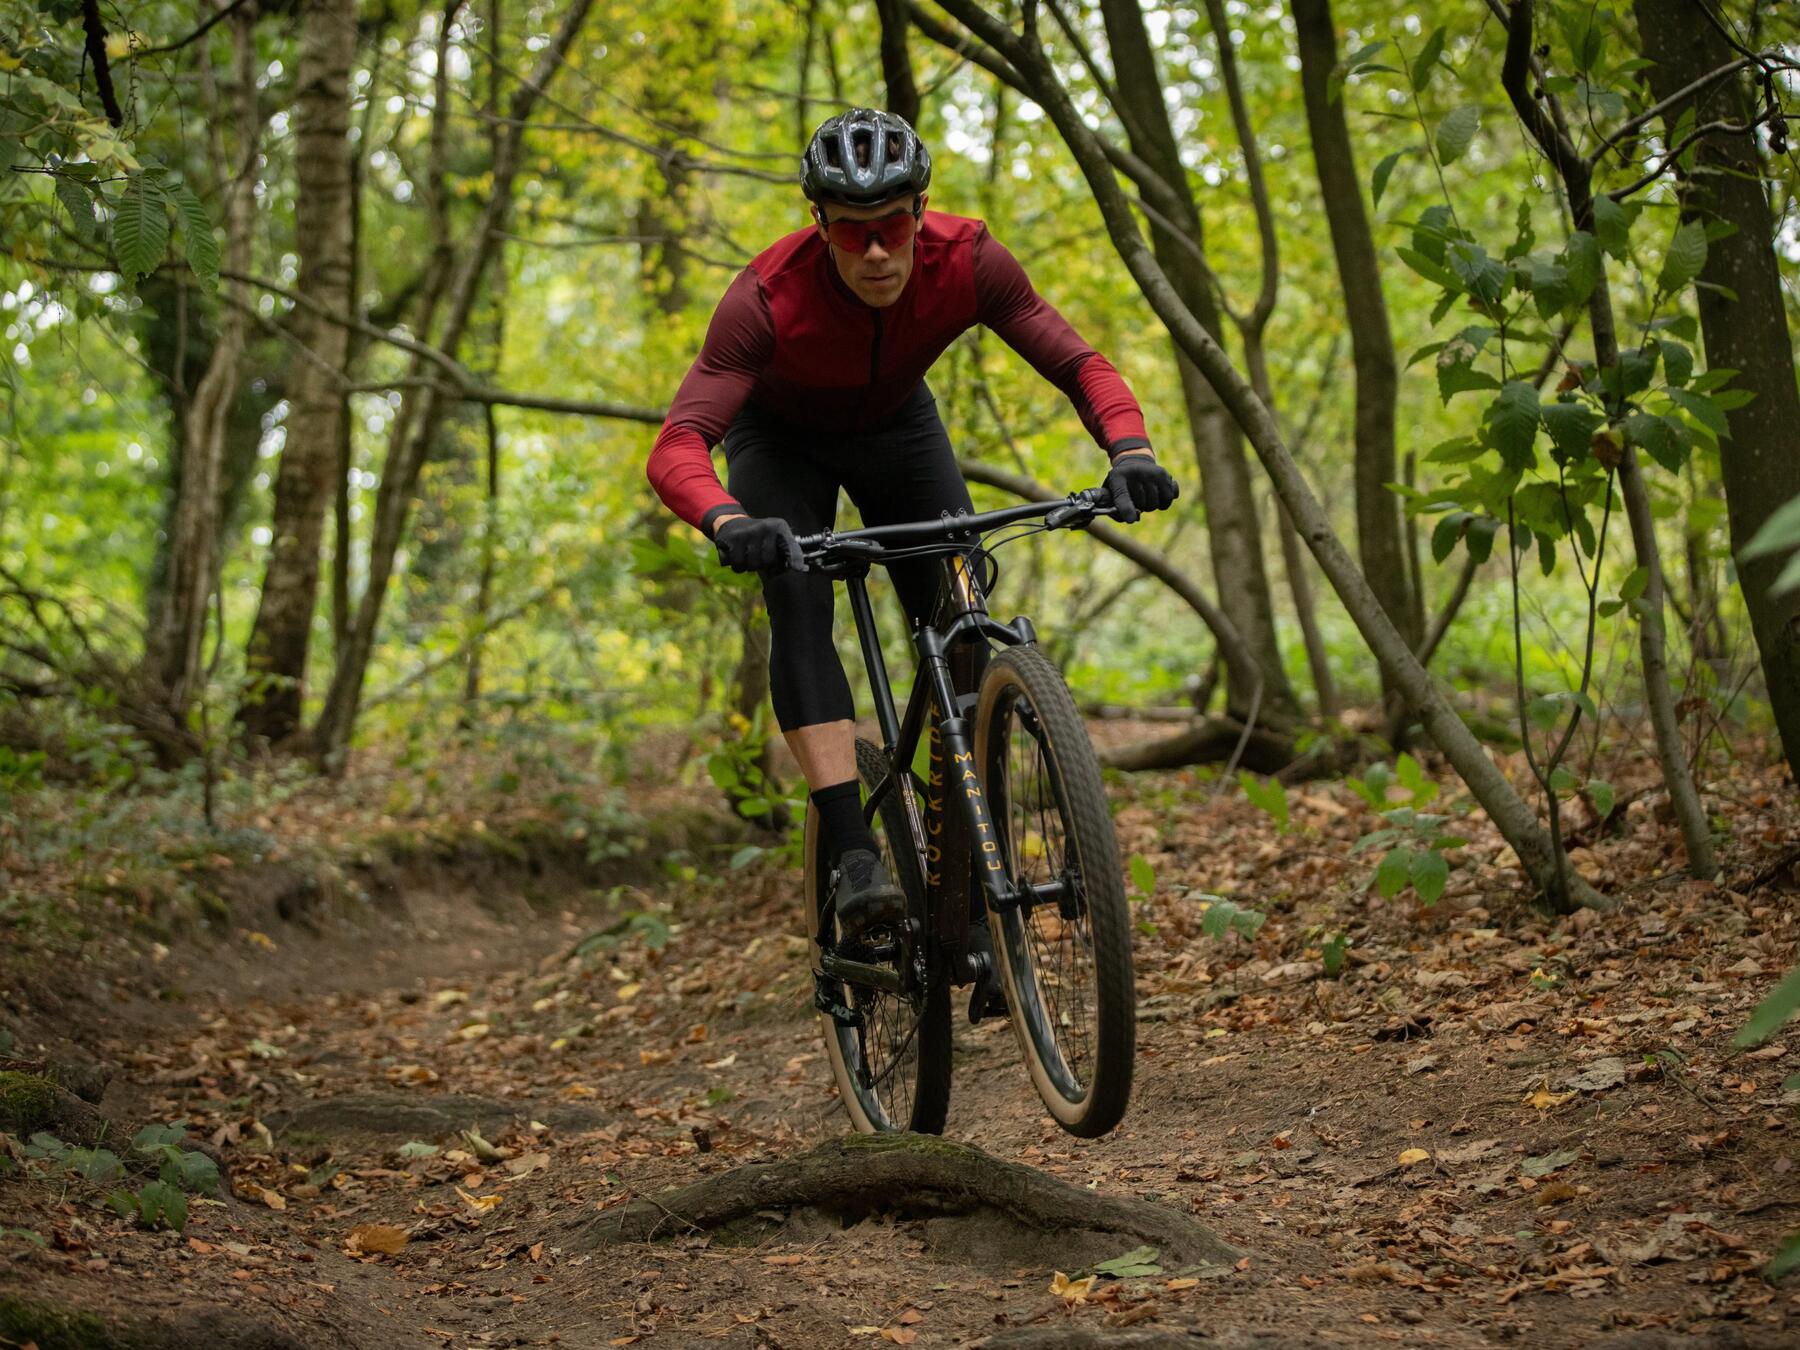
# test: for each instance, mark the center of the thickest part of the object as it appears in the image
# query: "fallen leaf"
(481, 1204)
(1543, 1099)
(899, 1335)
(1071, 1291)
(381, 1238)
(1413, 1156)
(527, 1163)
(271, 1198)
(1545, 1164)
(1599, 1076)
(1174, 1286)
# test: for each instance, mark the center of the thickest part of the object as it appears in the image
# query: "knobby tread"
(1095, 846)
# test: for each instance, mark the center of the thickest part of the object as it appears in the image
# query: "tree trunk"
(414, 433)
(1748, 334)
(1509, 812)
(1378, 534)
(172, 649)
(323, 204)
(1233, 531)
(896, 61)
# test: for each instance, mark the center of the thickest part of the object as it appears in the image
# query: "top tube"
(953, 531)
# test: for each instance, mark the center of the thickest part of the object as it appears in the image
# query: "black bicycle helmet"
(864, 156)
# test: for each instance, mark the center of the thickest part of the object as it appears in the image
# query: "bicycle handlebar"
(1078, 508)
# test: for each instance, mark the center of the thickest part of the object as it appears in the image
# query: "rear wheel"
(893, 1067)
(1064, 958)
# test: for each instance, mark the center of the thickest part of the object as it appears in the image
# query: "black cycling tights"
(905, 471)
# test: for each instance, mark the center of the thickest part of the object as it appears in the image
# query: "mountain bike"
(988, 802)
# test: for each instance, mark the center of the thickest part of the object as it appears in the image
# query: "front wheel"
(893, 1067)
(1065, 952)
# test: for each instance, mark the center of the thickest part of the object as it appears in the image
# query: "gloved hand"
(758, 544)
(1137, 484)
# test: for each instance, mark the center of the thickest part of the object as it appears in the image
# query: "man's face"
(877, 275)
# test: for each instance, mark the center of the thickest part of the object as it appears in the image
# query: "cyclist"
(812, 377)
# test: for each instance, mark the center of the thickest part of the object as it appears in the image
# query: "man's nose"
(873, 251)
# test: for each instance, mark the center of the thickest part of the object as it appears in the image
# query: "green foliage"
(1780, 533)
(1143, 876)
(1781, 1003)
(155, 1204)
(1137, 1262)
(1221, 917)
(1412, 840)
(1268, 796)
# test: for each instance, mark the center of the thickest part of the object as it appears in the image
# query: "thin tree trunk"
(1516, 821)
(1233, 531)
(323, 207)
(1748, 333)
(174, 640)
(896, 61)
(406, 453)
(1577, 179)
(1378, 534)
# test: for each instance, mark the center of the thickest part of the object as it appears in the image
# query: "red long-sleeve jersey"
(791, 337)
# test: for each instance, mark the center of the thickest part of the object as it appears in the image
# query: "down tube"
(961, 780)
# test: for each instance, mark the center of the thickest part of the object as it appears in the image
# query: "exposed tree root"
(915, 1176)
(1210, 741)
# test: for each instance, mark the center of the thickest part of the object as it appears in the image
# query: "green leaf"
(1771, 1013)
(190, 1170)
(1512, 421)
(1222, 917)
(1704, 410)
(1429, 873)
(1383, 171)
(1544, 711)
(78, 202)
(1456, 379)
(140, 227)
(417, 1148)
(1426, 61)
(1657, 438)
(1485, 278)
(1786, 1258)
(1483, 530)
(1332, 950)
(160, 1202)
(98, 1165)
(1268, 796)
(1789, 578)
(1563, 780)
(1612, 225)
(1571, 427)
(153, 1138)
(1456, 132)
(1581, 260)
(1142, 875)
(1777, 534)
(1431, 270)
(1448, 533)
(1685, 258)
(197, 237)
(1678, 361)
(1601, 793)
(1634, 584)
(1391, 875)
(1137, 1261)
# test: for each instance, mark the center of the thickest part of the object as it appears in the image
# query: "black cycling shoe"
(866, 894)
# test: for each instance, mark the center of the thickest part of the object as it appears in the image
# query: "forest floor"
(1493, 1127)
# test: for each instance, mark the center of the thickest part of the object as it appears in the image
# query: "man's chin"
(879, 295)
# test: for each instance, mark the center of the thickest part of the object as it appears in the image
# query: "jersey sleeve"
(739, 342)
(1008, 304)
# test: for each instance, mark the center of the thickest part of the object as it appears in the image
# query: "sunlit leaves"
(1383, 171)
(1426, 61)
(140, 227)
(1512, 422)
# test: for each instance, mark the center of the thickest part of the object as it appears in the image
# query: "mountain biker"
(812, 376)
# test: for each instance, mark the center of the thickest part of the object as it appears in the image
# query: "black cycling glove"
(1137, 484)
(758, 544)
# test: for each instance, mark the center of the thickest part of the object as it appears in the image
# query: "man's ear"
(919, 210)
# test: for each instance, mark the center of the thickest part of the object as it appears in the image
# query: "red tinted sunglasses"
(893, 231)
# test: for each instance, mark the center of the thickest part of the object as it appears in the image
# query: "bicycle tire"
(915, 1093)
(1040, 776)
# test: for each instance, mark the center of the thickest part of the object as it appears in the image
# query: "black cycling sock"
(841, 819)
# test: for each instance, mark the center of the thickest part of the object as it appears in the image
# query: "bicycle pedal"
(987, 998)
(826, 1000)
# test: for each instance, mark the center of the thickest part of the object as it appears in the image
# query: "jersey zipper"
(874, 359)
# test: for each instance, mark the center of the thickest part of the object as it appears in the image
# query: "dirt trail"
(1489, 1130)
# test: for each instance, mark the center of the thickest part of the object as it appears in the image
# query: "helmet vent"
(865, 146)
